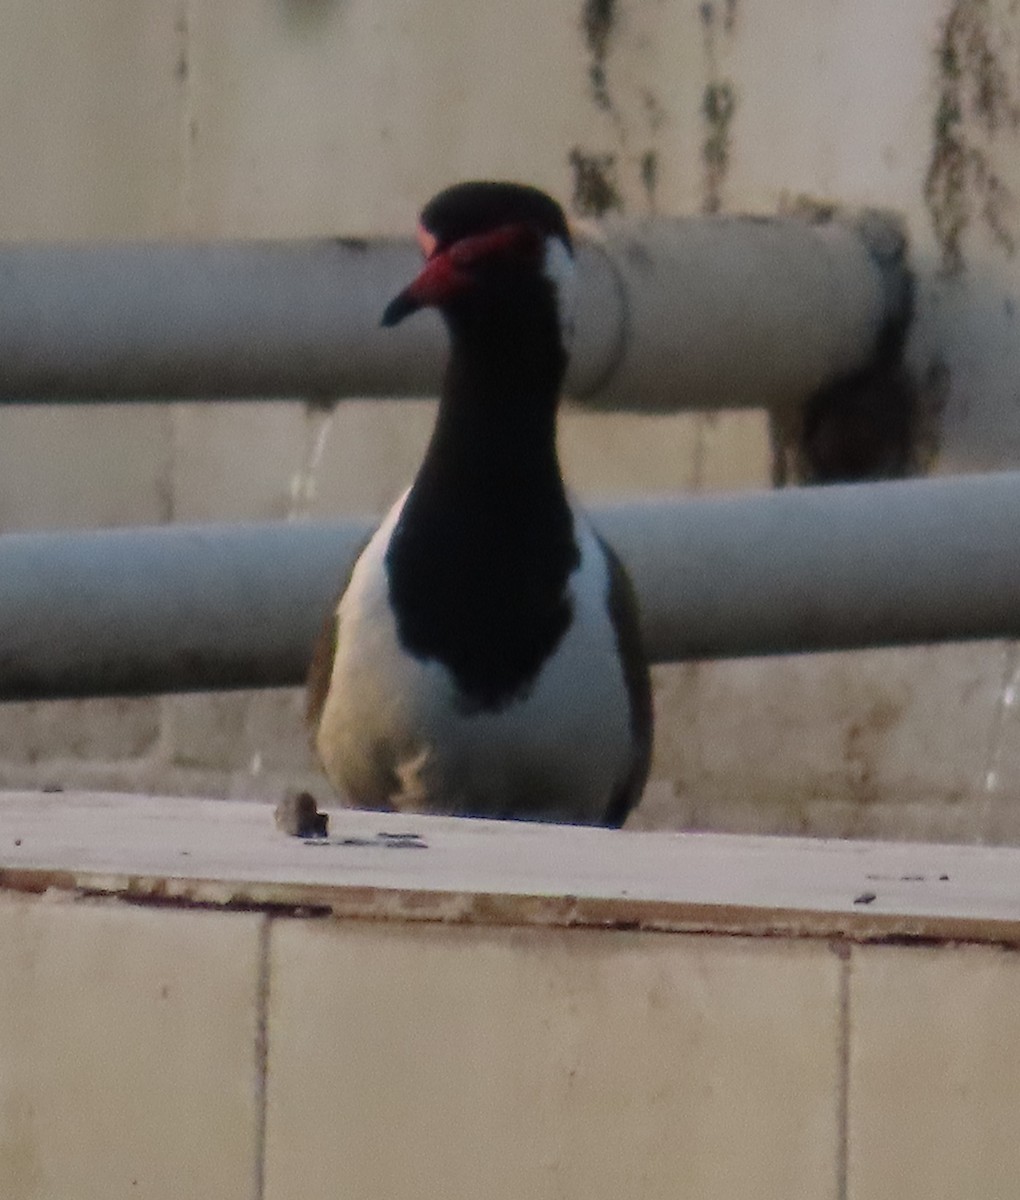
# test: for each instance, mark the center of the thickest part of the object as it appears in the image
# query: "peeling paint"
(596, 191)
(977, 103)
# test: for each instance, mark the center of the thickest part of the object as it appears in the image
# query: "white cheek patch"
(558, 268)
(426, 240)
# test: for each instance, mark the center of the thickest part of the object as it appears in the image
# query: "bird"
(485, 658)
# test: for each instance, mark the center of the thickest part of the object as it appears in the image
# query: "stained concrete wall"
(194, 1005)
(289, 117)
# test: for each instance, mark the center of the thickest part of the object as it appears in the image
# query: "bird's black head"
(488, 239)
(467, 209)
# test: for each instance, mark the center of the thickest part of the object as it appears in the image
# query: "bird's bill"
(400, 307)
(438, 281)
(447, 272)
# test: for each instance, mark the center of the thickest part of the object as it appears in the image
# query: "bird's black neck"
(497, 412)
(481, 556)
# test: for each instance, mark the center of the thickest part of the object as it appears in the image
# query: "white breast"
(393, 734)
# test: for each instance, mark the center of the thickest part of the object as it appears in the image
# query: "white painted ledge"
(230, 854)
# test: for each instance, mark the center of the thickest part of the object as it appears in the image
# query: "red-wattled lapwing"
(484, 659)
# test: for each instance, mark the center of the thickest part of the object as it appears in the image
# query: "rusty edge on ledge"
(512, 909)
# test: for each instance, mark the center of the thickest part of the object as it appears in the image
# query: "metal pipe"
(183, 608)
(833, 568)
(674, 313)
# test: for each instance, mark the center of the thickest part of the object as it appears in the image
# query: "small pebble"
(298, 816)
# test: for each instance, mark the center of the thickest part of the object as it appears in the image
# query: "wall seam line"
(843, 1095)
(261, 1054)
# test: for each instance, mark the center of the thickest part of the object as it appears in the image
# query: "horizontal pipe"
(183, 608)
(700, 312)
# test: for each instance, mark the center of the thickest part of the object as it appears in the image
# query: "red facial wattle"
(448, 271)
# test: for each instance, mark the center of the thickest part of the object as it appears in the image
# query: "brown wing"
(623, 612)
(320, 669)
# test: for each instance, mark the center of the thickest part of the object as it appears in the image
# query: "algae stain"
(977, 103)
(598, 19)
(603, 177)
(596, 190)
(718, 105)
(650, 176)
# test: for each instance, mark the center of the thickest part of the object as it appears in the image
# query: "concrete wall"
(194, 1005)
(282, 117)
(400, 1061)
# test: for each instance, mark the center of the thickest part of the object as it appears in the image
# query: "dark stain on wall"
(864, 740)
(598, 18)
(709, 11)
(976, 105)
(859, 427)
(881, 419)
(653, 110)
(650, 175)
(718, 102)
(628, 162)
(718, 105)
(182, 65)
(307, 17)
(596, 191)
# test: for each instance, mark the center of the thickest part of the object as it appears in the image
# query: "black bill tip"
(398, 308)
